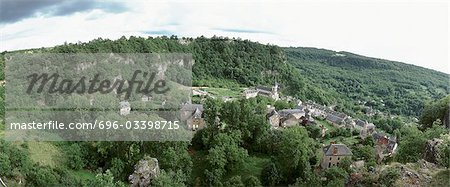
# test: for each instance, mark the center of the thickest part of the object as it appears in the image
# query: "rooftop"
(337, 150)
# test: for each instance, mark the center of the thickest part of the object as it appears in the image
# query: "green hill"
(388, 86)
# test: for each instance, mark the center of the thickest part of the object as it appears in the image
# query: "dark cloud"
(15, 10)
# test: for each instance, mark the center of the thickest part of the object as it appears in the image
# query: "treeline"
(238, 62)
(327, 77)
(436, 110)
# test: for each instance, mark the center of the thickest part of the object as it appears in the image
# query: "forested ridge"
(324, 76)
(389, 86)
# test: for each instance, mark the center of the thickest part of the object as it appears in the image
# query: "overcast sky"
(414, 32)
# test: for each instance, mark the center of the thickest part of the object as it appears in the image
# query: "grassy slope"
(442, 178)
(46, 153)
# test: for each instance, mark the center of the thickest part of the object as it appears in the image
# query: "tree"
(281, 104)
(436, 110)
(117, 167)
(106, 180)
(295, 151)
(345, 164)
(5, 165)
(234, 181)
(75, 156)
(389, 176)
(252, 181)
(365, 152)
(176, 159)
(411, 144)
(443, 152)
(314, 131)
(436, 130)
(224, 156)
(271, 175)
(335, 176)
(169, 179)
(312, 179)
(42, 176)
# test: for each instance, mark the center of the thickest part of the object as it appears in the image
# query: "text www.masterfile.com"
(107, 125)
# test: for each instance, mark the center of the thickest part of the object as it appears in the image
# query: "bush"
(252, 181)
(234, 181)
(5, 165)
(42, 176)
(443, 151)
(75, 156)
(117, 167)
(389, 176)
(270, 175)
(169, 179)
(314, 131)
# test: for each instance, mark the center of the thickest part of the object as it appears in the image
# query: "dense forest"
(240, 149)
(384, 85)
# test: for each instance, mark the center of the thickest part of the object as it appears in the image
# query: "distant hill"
(351, 82)
(389, 86)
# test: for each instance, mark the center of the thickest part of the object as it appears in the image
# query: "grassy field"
(46, 153)
(339, 139)
(326, 124)
(252, 166)
(83, 175)
(222, 92)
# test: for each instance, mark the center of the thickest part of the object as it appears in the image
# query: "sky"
(410, 31)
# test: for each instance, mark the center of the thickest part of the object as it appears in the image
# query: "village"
(303, 114)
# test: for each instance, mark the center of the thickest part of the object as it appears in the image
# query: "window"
(339, 158)
(330, 158)
(329, 164)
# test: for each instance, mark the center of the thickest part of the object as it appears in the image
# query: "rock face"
(144, 172)
(417, 174)
(431, 150)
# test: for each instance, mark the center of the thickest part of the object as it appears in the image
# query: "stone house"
(360, 124)
(342, 115)
(274, 119)
(271, 92)
(198, 92)
(349, 123)
(290, 121)
(335, 120)
(125, 108)
(250, 93)
(193, 115)
(367, 131)
(146, 98)
(295, 112)
(334, 154)
(269, 108)
(384, 146)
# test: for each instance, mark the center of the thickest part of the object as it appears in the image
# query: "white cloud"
(412, 32)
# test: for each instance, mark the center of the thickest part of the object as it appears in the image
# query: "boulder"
(145, 171)
(430, 153)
